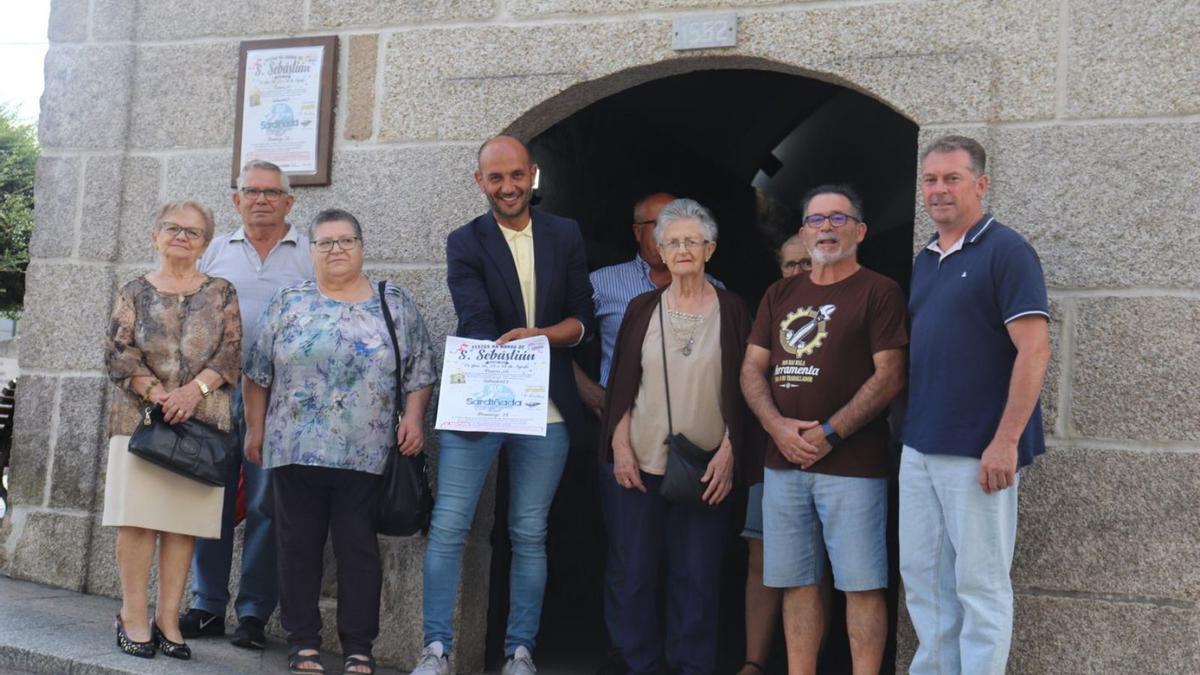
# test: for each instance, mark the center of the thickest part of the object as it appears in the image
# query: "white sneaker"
(521, 663)
(433, 661)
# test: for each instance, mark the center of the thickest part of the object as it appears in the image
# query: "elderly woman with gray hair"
(675, 371)
(175, 340)
(320, 391)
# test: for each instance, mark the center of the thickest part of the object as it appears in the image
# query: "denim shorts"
(808, 514)
(754, 526)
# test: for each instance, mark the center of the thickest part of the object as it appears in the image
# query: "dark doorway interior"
(747, 144)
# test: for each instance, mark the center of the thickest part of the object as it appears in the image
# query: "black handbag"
(190, 448)
(404, 502)
(686, 461)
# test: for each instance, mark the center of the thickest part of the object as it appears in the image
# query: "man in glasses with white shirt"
(263, 255)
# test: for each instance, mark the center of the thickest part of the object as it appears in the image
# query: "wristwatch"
(830, 434)
(204, 390)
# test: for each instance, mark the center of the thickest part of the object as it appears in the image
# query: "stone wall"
(1091, 110)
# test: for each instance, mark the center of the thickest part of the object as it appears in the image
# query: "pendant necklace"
(684, 327)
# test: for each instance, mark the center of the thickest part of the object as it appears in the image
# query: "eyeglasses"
(192, 233)
(344, 243)
(836, 219)
(272, 194)
(804, 265)
(676, 244)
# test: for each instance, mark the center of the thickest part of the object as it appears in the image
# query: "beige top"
(520, 243)
(695, 388)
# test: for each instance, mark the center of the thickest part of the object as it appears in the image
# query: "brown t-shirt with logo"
(822, 340)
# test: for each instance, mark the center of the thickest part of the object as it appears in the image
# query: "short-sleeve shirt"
(612, 289)
(962, 357)
(332, 374)
(232, 257)
(823, 339)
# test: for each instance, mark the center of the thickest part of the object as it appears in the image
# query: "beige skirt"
(138, 493)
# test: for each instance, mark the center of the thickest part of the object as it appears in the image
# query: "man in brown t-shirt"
(825, 358)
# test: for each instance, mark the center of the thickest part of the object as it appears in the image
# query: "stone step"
(50, 630)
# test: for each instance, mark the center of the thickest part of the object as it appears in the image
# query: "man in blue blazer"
(514, 272)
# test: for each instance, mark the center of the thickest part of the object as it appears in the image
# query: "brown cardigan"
(625, 377)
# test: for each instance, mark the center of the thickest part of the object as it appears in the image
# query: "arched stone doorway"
(746, 137)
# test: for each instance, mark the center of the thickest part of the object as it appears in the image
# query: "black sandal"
(296, 659)
(357, 661)
(757, 666)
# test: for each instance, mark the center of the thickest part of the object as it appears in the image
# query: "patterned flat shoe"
(175, 650)
(143, 650)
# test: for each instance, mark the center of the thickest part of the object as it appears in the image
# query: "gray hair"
(264, 165)
(171, 207)
(951, 143)
(333, 216)
(856, 202)
(683, 209)
(794, 239)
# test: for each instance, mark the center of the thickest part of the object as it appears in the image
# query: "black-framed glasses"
(836, 219)
(804, 265)
(272, 194)
(344, 243)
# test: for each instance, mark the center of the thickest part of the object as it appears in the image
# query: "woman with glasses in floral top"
(319, 389)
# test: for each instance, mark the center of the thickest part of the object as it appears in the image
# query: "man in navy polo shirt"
(978, 352)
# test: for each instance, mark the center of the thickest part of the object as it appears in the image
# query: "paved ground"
(49, 630)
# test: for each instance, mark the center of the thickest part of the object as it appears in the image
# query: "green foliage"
(18, 158)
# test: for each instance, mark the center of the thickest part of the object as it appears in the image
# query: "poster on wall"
(285, 106)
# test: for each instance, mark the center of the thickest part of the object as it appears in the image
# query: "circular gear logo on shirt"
(804, 330)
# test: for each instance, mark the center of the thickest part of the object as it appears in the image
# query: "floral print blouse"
(172, 337)
(332, 374)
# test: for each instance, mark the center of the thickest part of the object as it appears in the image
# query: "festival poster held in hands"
(490, 387)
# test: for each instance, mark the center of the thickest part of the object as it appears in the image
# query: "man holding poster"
(514, 273)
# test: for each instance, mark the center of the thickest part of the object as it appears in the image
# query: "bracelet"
(150, 387)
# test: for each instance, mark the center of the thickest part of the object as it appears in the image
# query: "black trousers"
(311, 501)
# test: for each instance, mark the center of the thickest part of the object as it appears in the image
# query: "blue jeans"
(535, 465)
(258, 589)
(956, 551)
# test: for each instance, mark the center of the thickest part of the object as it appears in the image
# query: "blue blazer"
(487, 296)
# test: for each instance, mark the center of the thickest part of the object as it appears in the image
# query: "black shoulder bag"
(686, 462)
(192, 449)
(404, 503)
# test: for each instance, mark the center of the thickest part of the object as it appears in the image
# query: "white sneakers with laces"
(521, 663)
(433, 661)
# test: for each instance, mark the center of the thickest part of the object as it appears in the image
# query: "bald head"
(647, 208)
(506, 145)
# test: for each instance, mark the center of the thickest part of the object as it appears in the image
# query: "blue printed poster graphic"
(490, 387)
(280, 107)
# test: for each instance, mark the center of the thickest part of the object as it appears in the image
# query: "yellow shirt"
(520, 244)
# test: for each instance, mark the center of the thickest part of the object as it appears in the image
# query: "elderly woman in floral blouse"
(175, 339)
(319, 389)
